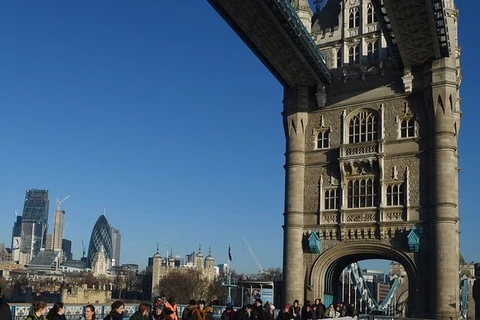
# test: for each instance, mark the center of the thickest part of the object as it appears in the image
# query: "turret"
(302, 7)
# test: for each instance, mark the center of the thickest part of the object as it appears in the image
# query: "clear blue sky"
(157, 112)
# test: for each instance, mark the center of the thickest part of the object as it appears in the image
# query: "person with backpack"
(38, 310)
(187, 313)
(116, 313)
(170, 308)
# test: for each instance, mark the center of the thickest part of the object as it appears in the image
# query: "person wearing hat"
(270, 312)
(257, 310)
(285, 314)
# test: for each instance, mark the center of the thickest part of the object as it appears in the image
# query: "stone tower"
(199, 259)
(369, 159)
(209, 267)
(100, 263)
(156, 272)
(371, 117)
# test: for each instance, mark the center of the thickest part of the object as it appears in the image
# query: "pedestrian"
(116, 312)
(142, 312)
(57, 312)
(38, 310)
(170, 308)
(5, 311)
(189, 310)
(89, 313)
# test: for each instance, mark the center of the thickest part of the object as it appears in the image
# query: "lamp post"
(230, 283)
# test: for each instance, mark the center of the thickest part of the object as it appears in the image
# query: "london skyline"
(101, 95)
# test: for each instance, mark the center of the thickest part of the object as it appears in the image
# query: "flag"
(229, 253)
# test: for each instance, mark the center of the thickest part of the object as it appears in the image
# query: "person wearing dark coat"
(5, 311)
(209, 313)
(243, 313)
(116, 312)
(57, 312)
(257, 310)
(142, 313)
(285, 314)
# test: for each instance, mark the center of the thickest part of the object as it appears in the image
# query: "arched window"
(407, 128)
(353, 55)
(362, 193)
(339, 58)
(371, 16)
(372, 51)
(353, 18)
(330, 199)
(362, 127)
(323, 139)
(395, 195)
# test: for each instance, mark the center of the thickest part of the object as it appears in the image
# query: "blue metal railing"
(301, 34)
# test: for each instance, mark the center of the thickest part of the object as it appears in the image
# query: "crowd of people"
(166, 309)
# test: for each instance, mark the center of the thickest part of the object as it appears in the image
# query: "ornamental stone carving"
(360, 217)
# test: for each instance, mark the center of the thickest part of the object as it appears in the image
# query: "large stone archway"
(326, 269)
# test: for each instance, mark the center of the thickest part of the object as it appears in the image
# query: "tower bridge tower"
(371, 116)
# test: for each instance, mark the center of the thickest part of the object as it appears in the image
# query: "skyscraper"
(58, 229)
(16, 239)
(34, 222)
(101, 239)
(116, 242)
(67, 249)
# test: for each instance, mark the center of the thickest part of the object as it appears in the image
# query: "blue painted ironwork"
(360, 284)
(387, 30)
(288, 18)
(463, 298)
(414, 240)
(441, 28)
(314, 242)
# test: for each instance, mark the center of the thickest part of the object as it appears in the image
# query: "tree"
(184, 284)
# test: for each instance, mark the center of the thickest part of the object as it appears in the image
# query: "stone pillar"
(443, 219)
(295, 117)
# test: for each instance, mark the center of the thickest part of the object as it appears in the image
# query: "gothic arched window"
(371, 16)
(323, 139)
(354, 55)
(372, 51)
(362, 127)
(395, 195)
(362, 193)
(339, 58)
(353, 18)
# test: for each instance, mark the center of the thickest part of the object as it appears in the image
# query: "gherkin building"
(101, 239)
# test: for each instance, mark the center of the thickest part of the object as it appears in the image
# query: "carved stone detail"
(358, 168)
(360, 217)
(330, 218)
(394, 216)
(349, 151)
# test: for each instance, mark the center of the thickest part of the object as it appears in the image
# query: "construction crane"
(262, 271)
(59, 203)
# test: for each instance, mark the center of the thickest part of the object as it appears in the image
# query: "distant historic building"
(101, 239)
(161, 267)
